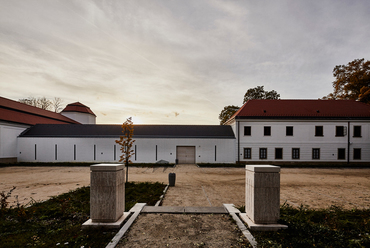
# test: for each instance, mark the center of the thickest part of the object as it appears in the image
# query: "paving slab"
(186, 210)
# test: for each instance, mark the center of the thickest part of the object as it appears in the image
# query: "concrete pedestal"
(107, 195)
(262, 193)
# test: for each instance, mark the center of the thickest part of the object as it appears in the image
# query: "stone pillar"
(107, 192)
(262, 193)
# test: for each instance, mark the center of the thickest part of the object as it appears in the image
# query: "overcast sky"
(175, 62)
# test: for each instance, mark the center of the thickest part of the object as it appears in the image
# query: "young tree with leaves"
(352, 81)
(126, 141)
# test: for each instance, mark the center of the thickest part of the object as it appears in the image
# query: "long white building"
(261, 131)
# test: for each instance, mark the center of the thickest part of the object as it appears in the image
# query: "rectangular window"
(247, 131)
(114, 153)
(356, 131)
(35, 152)
(289, 131)
(215, 153)
(74, 152)
(247, 153)
(295, 153)
(315, 153)
(339, 131)
(56, 152)
(267, 131)
(135, 152)
(357, 153)
(341, 153)
(319, 131)
(263, 153)
(156, 152)
(94, 152)
(278, 153)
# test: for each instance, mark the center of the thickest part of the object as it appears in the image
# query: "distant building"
(261, 131)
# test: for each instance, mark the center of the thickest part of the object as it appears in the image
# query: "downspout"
(238, 140)
(348, 143)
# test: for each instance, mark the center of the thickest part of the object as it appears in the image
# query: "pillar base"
(261, 227)
(111, 225)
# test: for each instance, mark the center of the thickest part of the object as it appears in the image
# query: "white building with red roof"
(315, 132)
(303, 131)
(16, 117)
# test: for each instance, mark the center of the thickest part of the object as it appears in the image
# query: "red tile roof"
(16, 112)
(303, 109)
(78, 107)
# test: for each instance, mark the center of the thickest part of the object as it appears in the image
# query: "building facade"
(302, 131)
(261, 131)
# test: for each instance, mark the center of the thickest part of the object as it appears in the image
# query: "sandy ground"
(183, 230)
(316, 188)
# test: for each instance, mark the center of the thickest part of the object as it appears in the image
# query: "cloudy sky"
(175, 62)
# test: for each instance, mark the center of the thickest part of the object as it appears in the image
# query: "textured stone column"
(107, 192)
(262, 193)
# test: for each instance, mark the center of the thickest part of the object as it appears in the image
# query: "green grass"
(332, 227)
(57, 221)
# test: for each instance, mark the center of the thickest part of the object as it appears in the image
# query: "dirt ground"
(316, 188)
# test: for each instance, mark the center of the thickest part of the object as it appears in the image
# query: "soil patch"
(183, 230)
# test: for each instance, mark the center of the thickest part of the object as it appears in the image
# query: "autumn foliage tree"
(126, 142)
(352, 81)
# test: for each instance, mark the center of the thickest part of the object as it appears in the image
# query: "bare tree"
(57, 104)
(43, 103)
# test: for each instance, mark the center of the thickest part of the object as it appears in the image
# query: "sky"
(175, 62)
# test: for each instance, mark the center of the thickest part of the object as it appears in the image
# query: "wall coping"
(106, 167)
(263, 168)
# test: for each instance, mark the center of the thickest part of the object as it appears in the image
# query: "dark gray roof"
(140, 131)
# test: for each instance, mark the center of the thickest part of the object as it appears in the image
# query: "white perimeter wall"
(8, 139)
(303, 138)
(106, 150)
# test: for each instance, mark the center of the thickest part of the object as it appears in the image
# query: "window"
(289, 131)
(339, 131)
(56, 151)
(341, 153)
(94, 152)
(278, 153)
(319, 131)
(267, 131)
(114, 153)
(295, 153)
(356, 131)
(315, 153)
(74, 152)
(247, 153)
(263, 153)
(247, 131)
(356, 153)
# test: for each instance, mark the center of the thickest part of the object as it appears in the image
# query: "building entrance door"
(185, 154)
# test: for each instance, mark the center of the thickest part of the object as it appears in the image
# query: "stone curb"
(136, 211)
(162, 196)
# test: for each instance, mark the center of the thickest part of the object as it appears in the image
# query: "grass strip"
(57, 221)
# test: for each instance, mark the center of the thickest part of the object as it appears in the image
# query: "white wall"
(8, 139)
(303, 138)
(83, 118)
(62, 150)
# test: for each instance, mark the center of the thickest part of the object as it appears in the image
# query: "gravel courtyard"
(316, 188)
